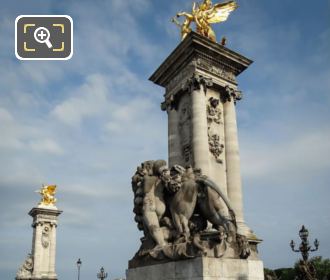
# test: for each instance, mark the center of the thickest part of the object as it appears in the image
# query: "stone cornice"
(199, 53)
(45, 211)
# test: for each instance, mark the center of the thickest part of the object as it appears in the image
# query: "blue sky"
(85, 124)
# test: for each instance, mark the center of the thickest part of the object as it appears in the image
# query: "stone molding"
(211, 56)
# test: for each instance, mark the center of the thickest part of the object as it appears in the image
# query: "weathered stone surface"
(200, 268)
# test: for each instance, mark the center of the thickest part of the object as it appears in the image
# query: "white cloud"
(9, 137)
(95, 190)
(89, 100)
(296, 159)
(19, 136)
(76, 216)
(46, 145)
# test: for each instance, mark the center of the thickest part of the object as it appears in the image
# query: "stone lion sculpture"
(180, 213)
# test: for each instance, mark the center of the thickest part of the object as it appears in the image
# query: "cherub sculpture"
(47, 195)
(204, 14)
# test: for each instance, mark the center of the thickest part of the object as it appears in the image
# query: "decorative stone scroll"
(197, 81)
(191, 81)
(230, 93)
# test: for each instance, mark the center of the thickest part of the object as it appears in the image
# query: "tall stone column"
(40, 263)
(234, 183)
(174, 155)
(200, 146)
(52, 258)
(200, 78)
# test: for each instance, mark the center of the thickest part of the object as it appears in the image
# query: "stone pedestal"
(201, 92)
(200, 269)
(40, 264)
(204, 235)
(199, 77)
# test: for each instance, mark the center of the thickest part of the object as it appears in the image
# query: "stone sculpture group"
(182, 215)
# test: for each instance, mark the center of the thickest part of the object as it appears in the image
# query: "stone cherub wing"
(220, 12)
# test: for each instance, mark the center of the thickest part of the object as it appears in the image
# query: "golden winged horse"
(47, 195)
(204, 14)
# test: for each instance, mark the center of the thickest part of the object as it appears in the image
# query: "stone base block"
(202, 268)
(38, 278)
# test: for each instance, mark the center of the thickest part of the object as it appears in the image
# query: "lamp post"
(79, 262)
(306, 269)
(102, 275)
(304, 247)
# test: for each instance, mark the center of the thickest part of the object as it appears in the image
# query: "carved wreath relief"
(45, 236)
(214, 119)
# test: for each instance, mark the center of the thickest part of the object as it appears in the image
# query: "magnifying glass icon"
(41, 35)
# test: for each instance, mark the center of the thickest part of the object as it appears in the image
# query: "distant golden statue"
(47, 195)
(203, 14)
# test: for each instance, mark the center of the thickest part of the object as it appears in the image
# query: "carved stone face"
(165, 175)
(28, 265)
(147, 167)
(214, 102)
(176, 180)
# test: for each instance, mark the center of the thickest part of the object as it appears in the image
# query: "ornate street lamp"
(102, 275)
(79, 262)
(306, 269)
(304, 247)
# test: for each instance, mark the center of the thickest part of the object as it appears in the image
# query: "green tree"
(269, 274)
(322, 267)
(285, 273)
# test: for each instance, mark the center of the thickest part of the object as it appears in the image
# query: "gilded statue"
(47, 195)
(203, 15)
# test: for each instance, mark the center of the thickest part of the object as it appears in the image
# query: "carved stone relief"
(219, 70)
(214, 120)
(45, 236)
(179, 80)
(47, 217)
